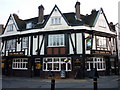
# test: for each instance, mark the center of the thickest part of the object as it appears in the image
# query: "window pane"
(24, 66)
(25, 42)
(49, 59)
(56, 60)
(56, 66)
(99, 65)
(10, 44)
(56, 40)
(88, 65)
(10, 27)
(69, 66)
(63, 66)
(44, 67)
(91, 66)
(49, 66)
(19, 64)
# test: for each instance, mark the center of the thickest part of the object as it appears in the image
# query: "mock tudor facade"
(59, 41)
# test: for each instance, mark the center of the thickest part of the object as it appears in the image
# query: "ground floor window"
(96, 62)
(57, 64)
(20, 63)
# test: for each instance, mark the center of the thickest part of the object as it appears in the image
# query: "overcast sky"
(29, 8)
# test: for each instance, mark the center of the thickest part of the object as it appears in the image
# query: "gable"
(56, 20)
(101, 23)
(11, 26)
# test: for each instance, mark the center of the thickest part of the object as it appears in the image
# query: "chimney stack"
(40, 13)
(1, 28)
(77, 10)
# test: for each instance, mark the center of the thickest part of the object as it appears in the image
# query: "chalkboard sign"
(77, 64)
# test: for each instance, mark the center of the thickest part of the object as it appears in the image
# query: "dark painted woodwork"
(49, 51)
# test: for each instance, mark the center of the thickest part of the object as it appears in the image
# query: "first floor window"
(101, 43)
(25, 42)
(56, 40)
(97, 63)
(20, 63)
(11, 44)
(57, 64)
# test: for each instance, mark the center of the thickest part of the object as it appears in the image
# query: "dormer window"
(10, 27)
(55, 20)
(29, 25)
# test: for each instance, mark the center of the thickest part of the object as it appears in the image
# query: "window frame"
(101, 43)
(24, 42)
(18, 63)
(29, 25)
(11, 44)
(59, 62)
(56, 40)
(10, 27)
(98, 62)
(55, 20)
(102, 23)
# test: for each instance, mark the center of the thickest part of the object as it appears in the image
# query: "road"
(104, 82)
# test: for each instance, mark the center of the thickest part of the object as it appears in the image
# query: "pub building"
(47, 45)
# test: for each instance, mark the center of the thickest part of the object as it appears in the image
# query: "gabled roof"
(60, 13)
(20, 23)
(70, 18)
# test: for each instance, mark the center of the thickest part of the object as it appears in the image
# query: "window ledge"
(55, 24)
(54, 46)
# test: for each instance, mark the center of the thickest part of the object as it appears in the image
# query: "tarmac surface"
(36, 83)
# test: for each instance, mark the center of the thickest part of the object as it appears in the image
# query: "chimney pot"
(93, 11)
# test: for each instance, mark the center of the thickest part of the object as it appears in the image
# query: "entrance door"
(113, 66)
(37, 67)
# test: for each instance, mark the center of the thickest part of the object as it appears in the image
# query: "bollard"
(95, 83)
(52, 84)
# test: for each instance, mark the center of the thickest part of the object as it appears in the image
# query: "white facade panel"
(29, 45)
(94, 43)
(35, 43)
(11, 22)
(40, 42)
(79, 43)
(70, 47)
(6, 53)
(62, 23)
(25, 51)
(70, 44)
(101, 24)
(18, 46)
(3, 49)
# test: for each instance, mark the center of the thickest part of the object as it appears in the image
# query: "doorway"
(37, 67)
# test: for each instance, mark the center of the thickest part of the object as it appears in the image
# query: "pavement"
(103, 82)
